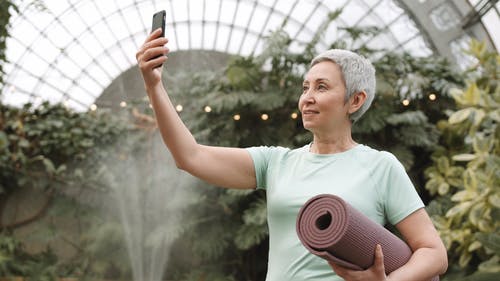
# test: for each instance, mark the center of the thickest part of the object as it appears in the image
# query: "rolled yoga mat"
(334, 230)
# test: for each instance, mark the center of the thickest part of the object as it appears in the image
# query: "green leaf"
(474, 246)
(408, 118)
(443, 188)
(495, 115)
(491, 266)
(476, 213)
(479, 115)
(470, 179)
(464, 259)
(49, 166)
(470, 97)
(443, 165)
(494, 199)
(249, 236)
(24, 143)
(4, 141)
(61, 169)
(459, 209)
(461, 115)
(490, 241)
(478, 276)
(464, 157)
(464, 195)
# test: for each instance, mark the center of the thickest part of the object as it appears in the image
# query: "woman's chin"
(308, 126)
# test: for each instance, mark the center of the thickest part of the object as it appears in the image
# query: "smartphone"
(159, 21)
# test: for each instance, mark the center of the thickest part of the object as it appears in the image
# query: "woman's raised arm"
(222, 166)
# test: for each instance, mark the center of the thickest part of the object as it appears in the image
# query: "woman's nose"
(308, 97)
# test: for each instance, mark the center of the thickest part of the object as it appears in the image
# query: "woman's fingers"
(158, 42)
(154, 34)
(152, 53)
(379, 259)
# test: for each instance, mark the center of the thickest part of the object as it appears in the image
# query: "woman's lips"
(309, 111)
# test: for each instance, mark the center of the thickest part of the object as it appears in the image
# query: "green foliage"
(57, 151)
(465, 171)
(14, 260)
(42, 147)
(6, 7)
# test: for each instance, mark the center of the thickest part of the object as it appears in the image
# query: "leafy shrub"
(465, 174)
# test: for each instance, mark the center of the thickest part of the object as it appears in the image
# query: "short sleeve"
(260, 156)
(399, 196)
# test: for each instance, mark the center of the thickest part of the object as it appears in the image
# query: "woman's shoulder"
(375, 156)
(276, 151)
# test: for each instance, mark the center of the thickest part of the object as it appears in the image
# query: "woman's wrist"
(154, 89)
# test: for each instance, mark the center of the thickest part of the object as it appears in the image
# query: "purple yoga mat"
(334, 230)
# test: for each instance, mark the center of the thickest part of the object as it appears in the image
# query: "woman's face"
(322, 102)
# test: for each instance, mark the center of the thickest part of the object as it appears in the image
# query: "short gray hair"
(358, 74)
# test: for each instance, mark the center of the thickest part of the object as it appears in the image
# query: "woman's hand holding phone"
(151, 56)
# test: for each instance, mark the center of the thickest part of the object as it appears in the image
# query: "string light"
(406, 102)
(236, 117)
(150, 106)
(432, 97)
(93, 107)
(123, 104)
(208, 109)
(179, 108)
(294, 115)
(264, 117)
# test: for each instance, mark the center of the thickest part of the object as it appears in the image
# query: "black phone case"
(159, 21)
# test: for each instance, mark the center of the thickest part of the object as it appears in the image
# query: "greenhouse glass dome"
(71, 51)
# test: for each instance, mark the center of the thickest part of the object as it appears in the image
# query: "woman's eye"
(322, 87)
(305, 88)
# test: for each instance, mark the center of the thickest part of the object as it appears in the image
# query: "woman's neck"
(331, 144)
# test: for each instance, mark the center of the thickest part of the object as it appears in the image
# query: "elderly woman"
(338, 88)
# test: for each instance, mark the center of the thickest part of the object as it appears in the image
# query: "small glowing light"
(236, 117)
(208, 109)
(66, 103)
(264, 117)
(179, 108)
(93, 107)
(406, 102)
(150, 106)
(12, 88)
(294, 115)
(432, 96)
(123, 104)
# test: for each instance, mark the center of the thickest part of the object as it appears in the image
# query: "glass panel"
(212, 10)
(492, 22)
(92, 42)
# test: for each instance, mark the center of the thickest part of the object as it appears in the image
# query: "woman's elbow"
(443, 258)
(182, 165)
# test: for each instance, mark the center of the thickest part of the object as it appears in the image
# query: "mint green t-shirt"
(374, 182)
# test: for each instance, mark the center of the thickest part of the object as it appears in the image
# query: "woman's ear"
(356, 101)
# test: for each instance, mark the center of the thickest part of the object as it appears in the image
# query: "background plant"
(6, 7)
(466, 173)
(59, 153)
